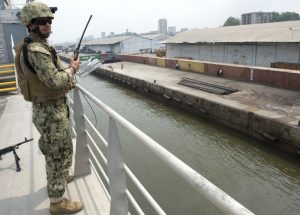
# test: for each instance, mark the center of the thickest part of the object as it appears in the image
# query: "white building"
(257, 44)
(162, 26)
(123, 45)
(157, 41)
(256, 17)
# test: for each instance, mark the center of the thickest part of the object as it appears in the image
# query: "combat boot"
(65, 206)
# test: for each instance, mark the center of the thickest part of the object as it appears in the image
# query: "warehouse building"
(157, 41)
(122, 44)
(257, 44)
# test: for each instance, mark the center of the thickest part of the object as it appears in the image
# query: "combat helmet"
(35, 10)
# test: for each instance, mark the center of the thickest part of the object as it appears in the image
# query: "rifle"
(76, 52)
(13, 148)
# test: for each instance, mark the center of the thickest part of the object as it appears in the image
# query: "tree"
(232, 21)
(286, 16)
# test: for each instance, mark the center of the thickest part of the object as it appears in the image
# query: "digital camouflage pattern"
(52, 121)
(55, 143)
(49, 116)
(41, 60)
(34, 10)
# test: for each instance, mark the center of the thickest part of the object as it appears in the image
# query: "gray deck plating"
(25, 192)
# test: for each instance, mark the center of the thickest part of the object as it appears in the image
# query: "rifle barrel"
(12, 147)
(25, 141)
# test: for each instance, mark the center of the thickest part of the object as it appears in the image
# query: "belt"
(52, 102)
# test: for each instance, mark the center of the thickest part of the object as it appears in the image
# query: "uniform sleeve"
(42, 63)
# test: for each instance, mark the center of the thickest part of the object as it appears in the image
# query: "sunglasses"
(42, 21)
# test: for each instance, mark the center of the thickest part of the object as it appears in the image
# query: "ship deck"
(25, 192)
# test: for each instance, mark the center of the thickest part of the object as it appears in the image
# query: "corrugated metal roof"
(107, 41)
(268, 32)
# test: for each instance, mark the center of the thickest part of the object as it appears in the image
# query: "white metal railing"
(117, 170)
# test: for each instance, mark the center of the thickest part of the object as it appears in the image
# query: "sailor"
(44, 82)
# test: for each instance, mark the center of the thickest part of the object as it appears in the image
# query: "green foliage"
(232, 21)
(286, 16)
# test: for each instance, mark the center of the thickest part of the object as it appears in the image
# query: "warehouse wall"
(288, 52)
(133, 45)
(261, 54)
(102, 48)
(265, 54)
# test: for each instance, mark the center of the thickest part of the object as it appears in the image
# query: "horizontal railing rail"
(117, 170)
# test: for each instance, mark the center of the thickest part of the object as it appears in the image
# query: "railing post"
(82, 164)
(116, 172)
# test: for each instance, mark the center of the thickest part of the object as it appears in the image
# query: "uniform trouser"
(55, 143)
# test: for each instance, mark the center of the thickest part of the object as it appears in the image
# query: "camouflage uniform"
(44, 82)
(56, 144)
(50, 120)
(53, 124)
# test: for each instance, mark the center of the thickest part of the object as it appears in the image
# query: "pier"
(269, 113)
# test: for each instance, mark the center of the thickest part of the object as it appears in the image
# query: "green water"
(262, 179)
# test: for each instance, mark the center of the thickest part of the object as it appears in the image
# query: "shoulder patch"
(37, 47)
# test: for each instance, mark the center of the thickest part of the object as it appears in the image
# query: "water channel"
(262, 179)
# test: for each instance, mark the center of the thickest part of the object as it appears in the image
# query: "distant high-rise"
(112, 34)
(162, 26)
(103, 35)
(256, 17)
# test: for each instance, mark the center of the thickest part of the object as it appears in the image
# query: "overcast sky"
(142, 16)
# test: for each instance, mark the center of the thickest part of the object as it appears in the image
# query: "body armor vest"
(31, 87)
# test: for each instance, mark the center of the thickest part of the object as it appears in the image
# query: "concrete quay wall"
(281, 135)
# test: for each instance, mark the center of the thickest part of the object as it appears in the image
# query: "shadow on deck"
(25, 192)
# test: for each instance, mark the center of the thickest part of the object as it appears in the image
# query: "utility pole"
(292, 30)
